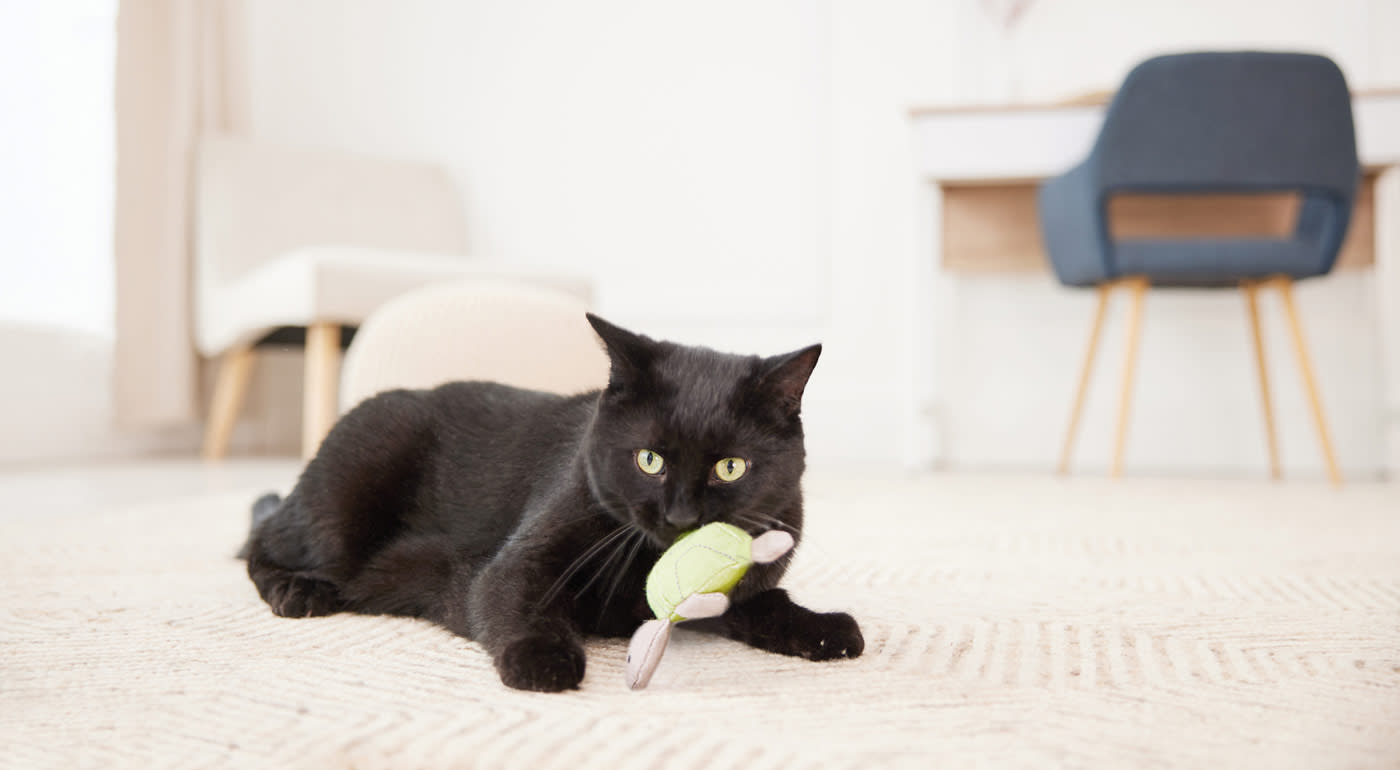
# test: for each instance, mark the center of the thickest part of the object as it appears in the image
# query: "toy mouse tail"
(644, 653)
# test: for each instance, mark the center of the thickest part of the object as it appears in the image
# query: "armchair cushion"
(342, 284)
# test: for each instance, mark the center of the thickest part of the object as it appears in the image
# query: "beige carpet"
(1009, 622)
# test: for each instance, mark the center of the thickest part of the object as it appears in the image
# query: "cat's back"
(466, 422)
(480, 446)
(480, 406)
(498, 446)
(508, 432)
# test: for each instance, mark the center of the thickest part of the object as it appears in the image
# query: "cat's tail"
(263, 508)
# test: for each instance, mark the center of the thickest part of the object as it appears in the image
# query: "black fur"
(521, 519)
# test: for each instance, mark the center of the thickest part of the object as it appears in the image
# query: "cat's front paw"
(542, 664)
(294, 596)
(827, 636)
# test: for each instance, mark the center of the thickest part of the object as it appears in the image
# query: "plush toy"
(691, 580)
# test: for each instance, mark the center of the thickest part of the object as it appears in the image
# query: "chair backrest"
(517, 334)
(257, 200)
(1230, 121)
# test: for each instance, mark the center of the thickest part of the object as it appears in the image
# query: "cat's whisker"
(778, 523)
(621, 573)
(617, 549)
(579, 562)
(749, 521)
(767, 520)
(613, 504)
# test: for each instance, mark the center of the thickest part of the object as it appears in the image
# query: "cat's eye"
(650, 462)
(731, 469)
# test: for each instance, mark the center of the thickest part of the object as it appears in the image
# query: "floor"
(1009, 621)
(70, 489)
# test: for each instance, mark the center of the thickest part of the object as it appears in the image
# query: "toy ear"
(644, 652)
(770, 546)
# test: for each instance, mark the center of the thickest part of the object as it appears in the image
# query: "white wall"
(646, 140)
(56, 165)
(56, 282)
(739, 174)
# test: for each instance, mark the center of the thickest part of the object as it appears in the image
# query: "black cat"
(524, 520)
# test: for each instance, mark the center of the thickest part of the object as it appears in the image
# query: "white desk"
(980, 166)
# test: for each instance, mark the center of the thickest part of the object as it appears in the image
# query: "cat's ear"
(630, 354)
(785, 377)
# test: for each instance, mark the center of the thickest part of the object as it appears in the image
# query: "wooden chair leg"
(1251, 294)
(1085, 374)
(320, 389)
(1125, 399)
(1285, 288)
(235, 370)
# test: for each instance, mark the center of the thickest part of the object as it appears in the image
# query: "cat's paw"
(542, 664)
(827, 636)
(302, 597)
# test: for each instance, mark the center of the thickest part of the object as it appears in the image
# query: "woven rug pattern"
(1009, 622)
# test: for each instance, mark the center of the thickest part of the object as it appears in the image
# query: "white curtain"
(179, 76)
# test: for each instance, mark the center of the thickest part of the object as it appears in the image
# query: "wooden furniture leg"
(1085, 374)
(1251, 296)
(1285, 288)
(235, 370)
(319, 394)
(1138, 286)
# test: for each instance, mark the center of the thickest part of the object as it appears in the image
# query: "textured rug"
(1009, 622)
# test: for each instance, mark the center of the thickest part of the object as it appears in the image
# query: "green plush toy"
(691, 580)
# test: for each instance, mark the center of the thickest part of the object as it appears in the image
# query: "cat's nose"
(682, 516)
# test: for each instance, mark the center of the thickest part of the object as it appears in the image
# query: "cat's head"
(686, 435)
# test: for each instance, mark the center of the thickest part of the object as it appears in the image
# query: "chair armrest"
(1071, 222)
(1322, 224)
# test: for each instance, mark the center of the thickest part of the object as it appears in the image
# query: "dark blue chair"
(1199, 123)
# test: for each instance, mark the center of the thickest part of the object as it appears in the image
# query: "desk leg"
(1387, 212)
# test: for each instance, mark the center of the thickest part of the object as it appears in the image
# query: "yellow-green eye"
(650, 462)
(730, 468)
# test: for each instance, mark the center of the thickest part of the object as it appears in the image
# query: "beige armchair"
(290, 239)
